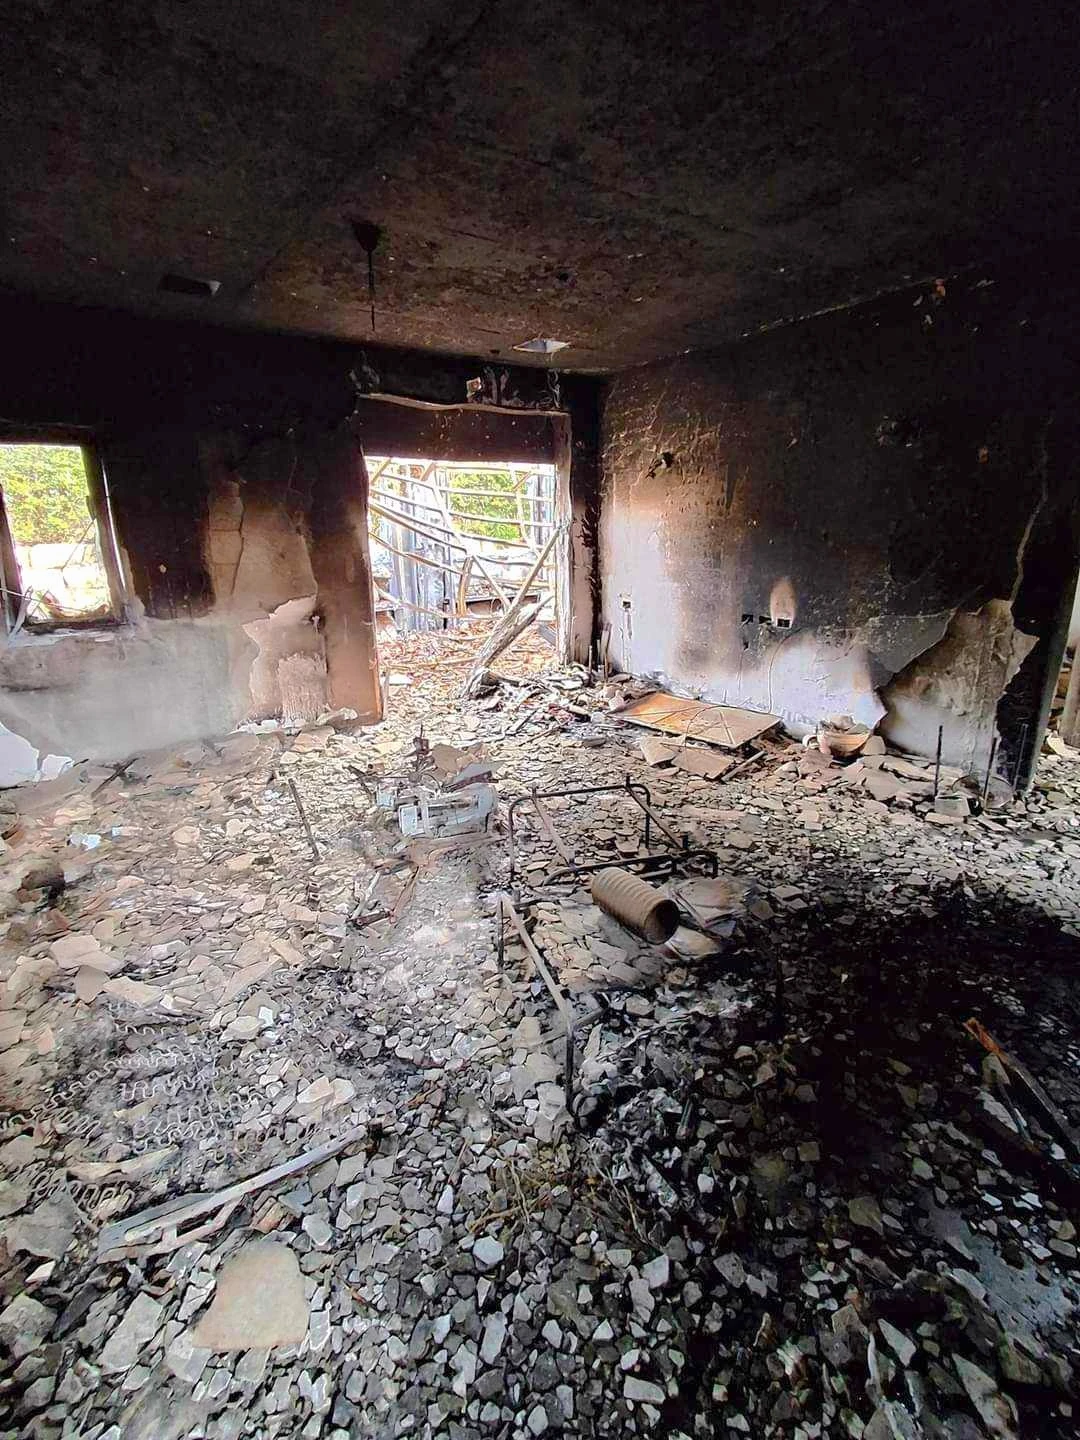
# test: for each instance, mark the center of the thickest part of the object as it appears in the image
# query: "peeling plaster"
(896, 640)
(18, 758)
(957, 684)
(288, 675)
(21, 762)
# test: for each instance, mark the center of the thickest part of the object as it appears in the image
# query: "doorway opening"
(458, 549)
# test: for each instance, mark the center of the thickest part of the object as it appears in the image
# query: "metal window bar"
(431, 531)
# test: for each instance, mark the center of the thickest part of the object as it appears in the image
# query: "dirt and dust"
(780, 1204)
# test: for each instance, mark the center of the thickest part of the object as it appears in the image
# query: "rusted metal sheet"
(724, 725)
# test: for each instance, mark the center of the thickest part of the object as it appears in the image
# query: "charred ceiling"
(633, 179)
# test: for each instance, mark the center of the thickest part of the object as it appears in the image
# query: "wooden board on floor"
(723, 725)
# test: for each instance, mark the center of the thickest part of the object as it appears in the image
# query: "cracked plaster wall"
(893, 481)
(213, 496)
(225, 620)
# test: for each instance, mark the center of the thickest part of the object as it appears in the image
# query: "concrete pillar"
(341, 563)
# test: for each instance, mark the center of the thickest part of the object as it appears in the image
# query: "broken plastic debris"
(463, 812)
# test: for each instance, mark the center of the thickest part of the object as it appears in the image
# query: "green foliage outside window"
(503, 512)
(44, 489)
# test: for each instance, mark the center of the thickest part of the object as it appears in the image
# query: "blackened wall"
(236, 473)
(385, 427)
(871, 512)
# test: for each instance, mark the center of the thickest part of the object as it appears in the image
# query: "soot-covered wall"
(236, 472)
(871, 512)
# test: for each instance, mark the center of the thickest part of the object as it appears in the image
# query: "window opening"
(59, 562)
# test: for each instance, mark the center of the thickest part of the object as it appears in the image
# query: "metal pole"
(937, 762)
(562, 1004)
(1020, 753)
(300, 807)
(989, 771)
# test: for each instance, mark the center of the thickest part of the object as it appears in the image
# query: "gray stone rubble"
(785, 1203)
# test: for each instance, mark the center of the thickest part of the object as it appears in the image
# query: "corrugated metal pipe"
(636, 904)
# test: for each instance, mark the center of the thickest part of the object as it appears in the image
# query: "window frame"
(100, 506)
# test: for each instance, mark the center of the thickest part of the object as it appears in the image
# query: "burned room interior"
(539, 721)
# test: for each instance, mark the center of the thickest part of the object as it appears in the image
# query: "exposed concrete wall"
(227, 620)
(872, 513)
(107, 695)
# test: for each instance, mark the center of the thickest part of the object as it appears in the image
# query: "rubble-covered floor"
(784, 1205)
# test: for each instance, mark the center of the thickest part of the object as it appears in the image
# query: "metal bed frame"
(656, 862)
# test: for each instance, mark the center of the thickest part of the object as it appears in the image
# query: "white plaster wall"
(111, 694)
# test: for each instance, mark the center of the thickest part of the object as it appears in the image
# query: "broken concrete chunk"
(707, 763)
(259, 1301)
(185, 1360)
(126, 1344)
(954, 805)
(24, 1325)
(994, 1408)
(865, 1211)
(657, 1273)
(47, 1231)
(655, 751)
(133, 992)
(902, 1347)
(643, 1391)
(71, 951)
(89, 983)
(487, 1252)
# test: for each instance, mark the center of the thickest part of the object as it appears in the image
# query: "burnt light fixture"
(189, 285)
(543, 345)
(368, 235)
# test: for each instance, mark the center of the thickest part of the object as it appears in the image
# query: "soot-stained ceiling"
(634, 178)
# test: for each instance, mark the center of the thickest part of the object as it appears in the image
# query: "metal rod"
(1021, 743)
(550, 831)
(423, 528)
(512, 808)
(651, 863)
(506, 911)
(937, 762)
(678, 841)
(989, 771)
(303, 817)
(395, 600)
(499, 495)
(378, 505)
(414, 555)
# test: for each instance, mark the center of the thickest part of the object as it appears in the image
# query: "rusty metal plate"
(723, 725)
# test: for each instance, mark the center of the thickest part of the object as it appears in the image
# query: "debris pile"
(288, 1149)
